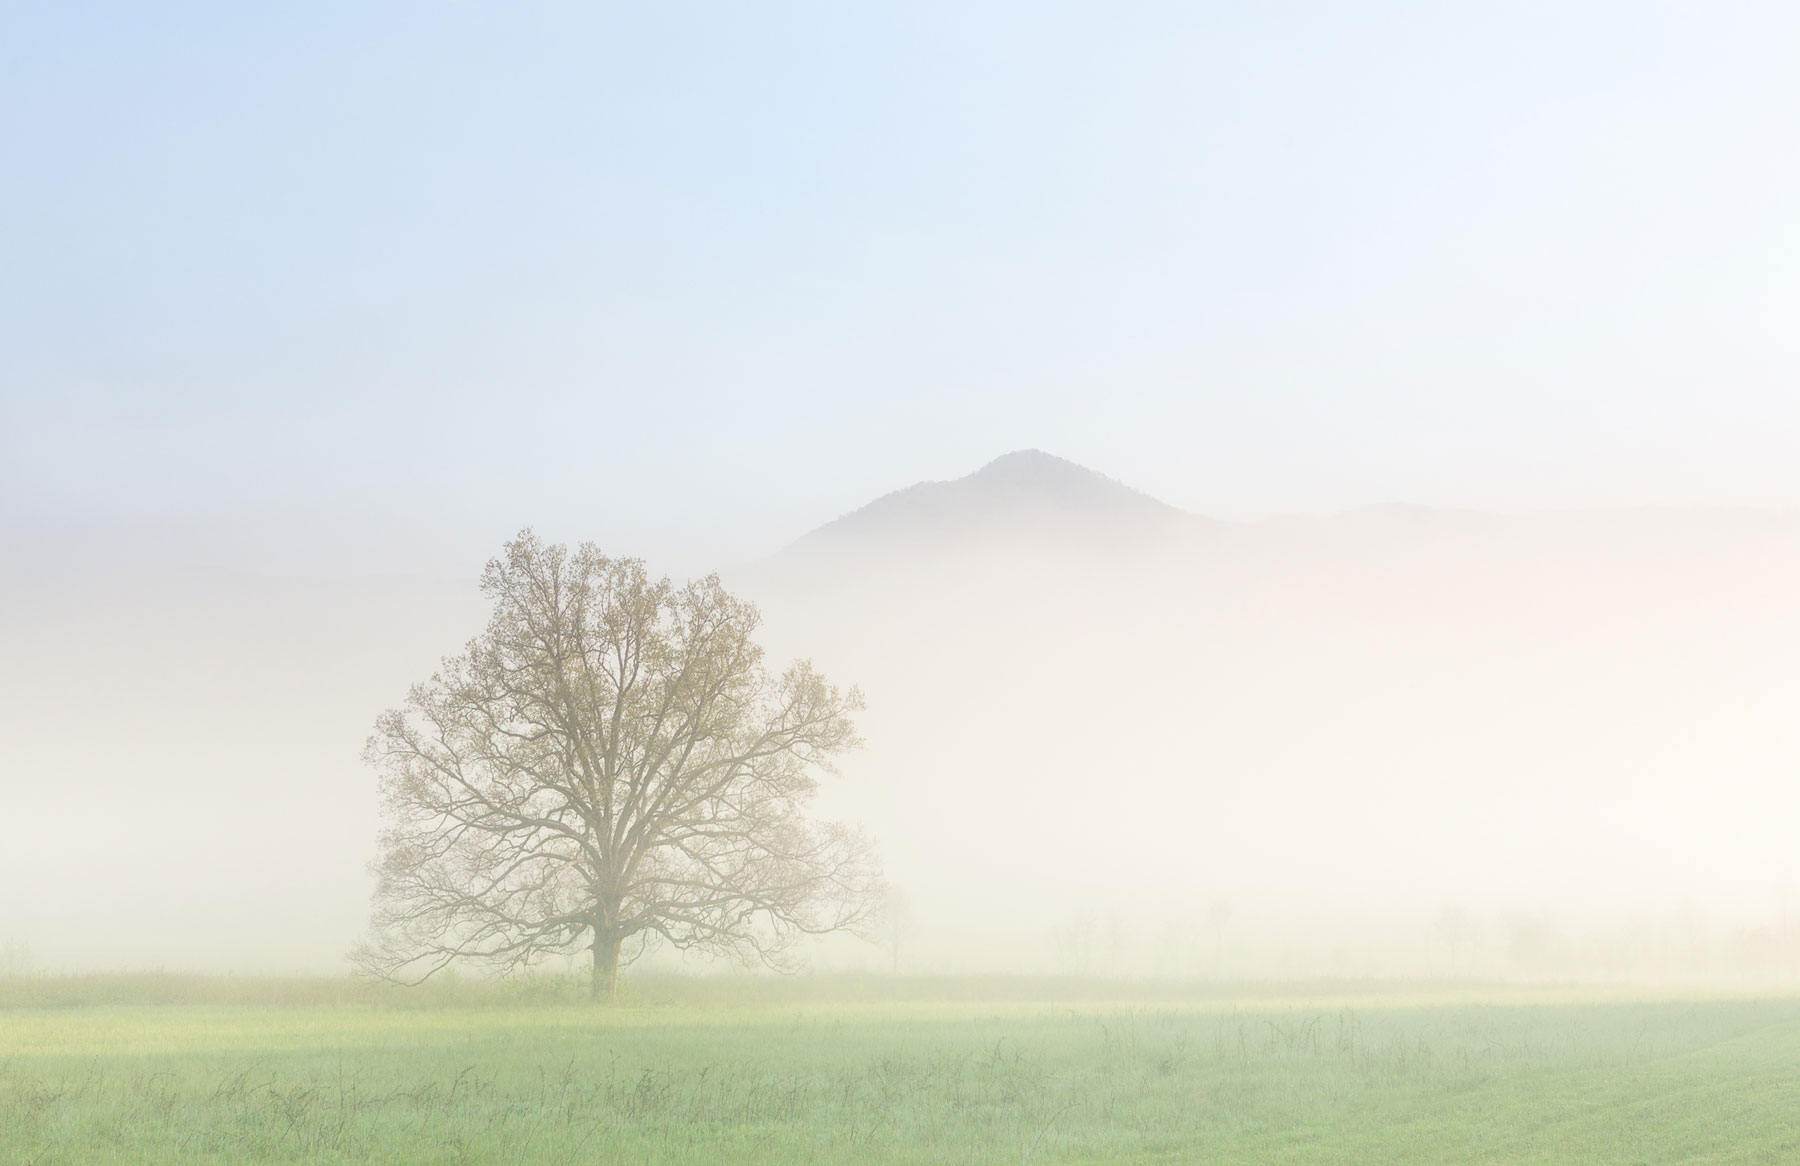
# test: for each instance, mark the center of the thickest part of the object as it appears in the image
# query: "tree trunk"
(606, 965)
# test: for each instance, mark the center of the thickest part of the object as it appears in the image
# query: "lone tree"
(609, 762)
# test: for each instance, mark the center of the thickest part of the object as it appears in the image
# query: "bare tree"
(897, 913)
(1457, 930)
(610, 762)
(15, 959)
(1217, 916)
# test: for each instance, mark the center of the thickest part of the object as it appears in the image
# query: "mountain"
(1083, 701)
(1023, 495)
(1033, 501)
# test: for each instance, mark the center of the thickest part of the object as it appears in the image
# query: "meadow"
(868, 1070)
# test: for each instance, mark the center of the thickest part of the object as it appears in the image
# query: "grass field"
(162, 1069)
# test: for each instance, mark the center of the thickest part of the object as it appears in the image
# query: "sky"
(367, 287)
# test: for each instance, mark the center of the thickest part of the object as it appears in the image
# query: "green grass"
(155, 1069)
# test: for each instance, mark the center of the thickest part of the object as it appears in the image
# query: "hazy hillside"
(1336, 726)
(1022, 496)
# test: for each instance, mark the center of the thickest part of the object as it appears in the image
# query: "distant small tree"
(1456, 930)
(15, 959)
(1530, 942)
(1115, 942)
(1217, 916)
(1174, 943)
(899, 918)
(1074, 944)
(609, 762)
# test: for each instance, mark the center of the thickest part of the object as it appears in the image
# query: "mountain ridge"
(1025, 489)
(1032, 497)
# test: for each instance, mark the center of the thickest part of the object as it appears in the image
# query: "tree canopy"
(608, 764)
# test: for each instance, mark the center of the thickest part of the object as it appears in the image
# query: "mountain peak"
(1030, 461)
(1015, 494)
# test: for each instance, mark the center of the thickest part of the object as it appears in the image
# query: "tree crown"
(609, 762)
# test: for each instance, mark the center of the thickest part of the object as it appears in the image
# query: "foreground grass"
(950, 1071)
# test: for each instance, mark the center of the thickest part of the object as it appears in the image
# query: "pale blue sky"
(690, 279)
